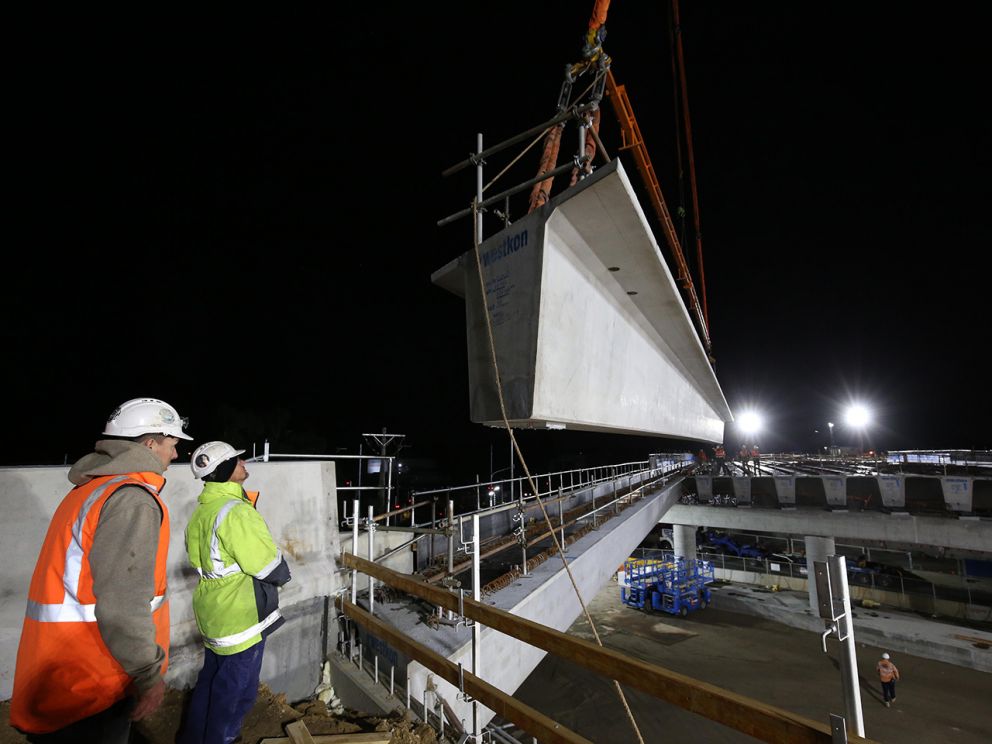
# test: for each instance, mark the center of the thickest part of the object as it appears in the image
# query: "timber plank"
(375, 737)
(299, 733)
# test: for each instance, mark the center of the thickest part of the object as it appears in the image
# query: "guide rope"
(523, 462)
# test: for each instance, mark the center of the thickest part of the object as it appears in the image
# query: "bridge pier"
(684, 540)
(817, 549)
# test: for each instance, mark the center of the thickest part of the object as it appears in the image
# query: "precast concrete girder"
(962, 534)
(589, 328)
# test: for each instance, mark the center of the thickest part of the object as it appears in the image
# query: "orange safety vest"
(754, 452)
(64, 670)
(887, 671)
(719, 452)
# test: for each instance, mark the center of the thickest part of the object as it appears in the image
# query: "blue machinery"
(669, 584)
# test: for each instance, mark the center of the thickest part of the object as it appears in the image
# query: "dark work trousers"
(112, 726)
(889, 690)
(225, 691)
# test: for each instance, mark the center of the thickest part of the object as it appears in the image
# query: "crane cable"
(538, 138)
(593, 56)
(523, 462)
(677, 128)
(694, 192)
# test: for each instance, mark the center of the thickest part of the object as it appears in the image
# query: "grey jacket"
(122, 559)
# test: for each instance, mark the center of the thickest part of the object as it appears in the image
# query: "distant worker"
(756, 459)
(720, 455)
(95, 642)
(743, 456)
(704, 461)
(236, 602)
(888, 673)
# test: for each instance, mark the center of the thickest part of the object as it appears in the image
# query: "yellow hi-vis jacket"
(236, 602)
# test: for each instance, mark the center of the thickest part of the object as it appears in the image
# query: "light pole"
(830, 425)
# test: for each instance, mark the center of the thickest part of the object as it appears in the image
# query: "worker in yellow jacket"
(888, 673)
(236, 602)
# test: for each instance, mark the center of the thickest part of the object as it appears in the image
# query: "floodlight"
(857, 416)
(749, 422)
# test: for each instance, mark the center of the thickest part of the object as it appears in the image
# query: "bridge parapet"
(933, 495)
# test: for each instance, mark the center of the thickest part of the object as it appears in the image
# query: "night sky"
(237, 213)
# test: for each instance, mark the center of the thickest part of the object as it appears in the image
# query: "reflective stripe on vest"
(71, 610)
(220, 570)
(272, 566)
(244, 635)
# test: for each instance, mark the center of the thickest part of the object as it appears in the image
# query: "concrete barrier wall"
(298, 501)
(916, 493)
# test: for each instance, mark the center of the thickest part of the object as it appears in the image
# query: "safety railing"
(385, 464)
(492, 495)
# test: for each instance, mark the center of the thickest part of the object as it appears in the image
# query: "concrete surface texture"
(756, 656)
(298, 502)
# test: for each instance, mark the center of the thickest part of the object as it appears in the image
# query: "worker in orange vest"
(742, 456)
(888, 673)
(95, 640)
(720, 455)
(756, 459)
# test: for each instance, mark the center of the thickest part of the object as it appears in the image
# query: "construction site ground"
(763, 659)
(740, 650)
(268, 719)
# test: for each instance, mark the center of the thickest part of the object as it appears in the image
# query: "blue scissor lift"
(670, 584)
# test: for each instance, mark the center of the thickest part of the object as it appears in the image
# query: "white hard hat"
(208, 456)
(146, 416)
(885, 656)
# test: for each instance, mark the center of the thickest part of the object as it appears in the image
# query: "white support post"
(848, 657)
(371, 558)
(354, 550)
(476, 627)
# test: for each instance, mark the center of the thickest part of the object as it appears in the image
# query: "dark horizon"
(241, 221)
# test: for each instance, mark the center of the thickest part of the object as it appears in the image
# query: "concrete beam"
(588, 323)
(964, 534)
